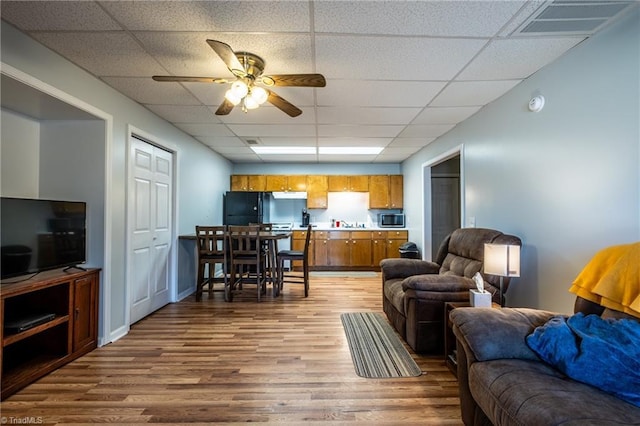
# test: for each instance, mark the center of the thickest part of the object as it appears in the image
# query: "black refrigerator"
(243, 208)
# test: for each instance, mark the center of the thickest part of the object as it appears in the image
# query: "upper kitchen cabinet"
(346, 183)
(317, 188)
(284, 183)
(385, 192)
(297, 183)
(248, 182)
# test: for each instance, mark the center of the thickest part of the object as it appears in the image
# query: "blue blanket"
(604, 353)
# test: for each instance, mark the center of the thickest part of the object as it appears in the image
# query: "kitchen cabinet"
(248, 183)
(284, 183)
(239, 182)
(298, 239)
(69, 329)
(349, 248)
(386, 244)
(396, 191)
(317, 192)
(385, 192)
(276, 183)
(297, 183)
(320, 248)
(346, 183)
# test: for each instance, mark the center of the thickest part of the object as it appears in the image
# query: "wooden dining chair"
(246, 259)
(212, 250)
(295, 255)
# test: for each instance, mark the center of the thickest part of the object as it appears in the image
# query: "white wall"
(566, 179)
(194, 186)
(20, 152)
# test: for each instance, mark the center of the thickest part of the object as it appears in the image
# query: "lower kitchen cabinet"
(360, 250)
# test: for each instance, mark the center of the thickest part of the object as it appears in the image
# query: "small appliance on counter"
(391, 220)
(305, 218)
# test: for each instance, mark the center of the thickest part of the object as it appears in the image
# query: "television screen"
(37, 235)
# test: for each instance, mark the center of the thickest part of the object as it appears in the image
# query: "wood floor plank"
(283, 360)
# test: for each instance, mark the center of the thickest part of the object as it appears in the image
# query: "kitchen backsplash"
(350, 207)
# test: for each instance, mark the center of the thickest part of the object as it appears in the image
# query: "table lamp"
(502, 260)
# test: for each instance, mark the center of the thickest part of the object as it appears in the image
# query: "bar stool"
(246, 259)
(295, 255)
(212, 250)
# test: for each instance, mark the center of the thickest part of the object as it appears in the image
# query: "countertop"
(321, 227)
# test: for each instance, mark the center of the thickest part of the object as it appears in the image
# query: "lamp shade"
(502, 260)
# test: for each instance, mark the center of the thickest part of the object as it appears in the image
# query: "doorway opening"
(443, 198)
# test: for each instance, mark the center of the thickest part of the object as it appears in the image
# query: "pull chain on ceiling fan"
(245, 91)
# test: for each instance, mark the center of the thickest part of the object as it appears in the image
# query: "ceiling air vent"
(572, 17)
(252, 142)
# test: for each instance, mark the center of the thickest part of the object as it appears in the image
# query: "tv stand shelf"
(35, 350)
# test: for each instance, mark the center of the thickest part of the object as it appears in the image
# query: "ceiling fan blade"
(225, 108)
(178, 78)
(283, 105)
(228, 56)
(300, 80)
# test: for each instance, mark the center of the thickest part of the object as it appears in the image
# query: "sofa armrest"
(403, 268)
(437, 283)
(490, 333)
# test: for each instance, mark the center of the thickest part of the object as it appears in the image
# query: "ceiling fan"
(246, 90)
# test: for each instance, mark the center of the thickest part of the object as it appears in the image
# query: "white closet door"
(150, 213)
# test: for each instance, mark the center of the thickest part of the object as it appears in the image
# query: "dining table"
(270, 237)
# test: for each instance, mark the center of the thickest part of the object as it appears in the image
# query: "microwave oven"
(391, 220)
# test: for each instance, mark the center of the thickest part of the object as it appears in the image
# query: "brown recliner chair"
(414, 291)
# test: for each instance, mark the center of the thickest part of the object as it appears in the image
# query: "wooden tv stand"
(33, 351)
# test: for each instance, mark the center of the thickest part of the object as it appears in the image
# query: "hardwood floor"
(283, 360)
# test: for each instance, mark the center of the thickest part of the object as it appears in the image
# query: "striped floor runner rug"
(376, 350)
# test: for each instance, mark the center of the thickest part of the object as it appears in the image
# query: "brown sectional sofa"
(503, 382)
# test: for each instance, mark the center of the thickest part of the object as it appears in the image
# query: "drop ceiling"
(399, 74)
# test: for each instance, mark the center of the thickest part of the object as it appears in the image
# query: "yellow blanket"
(612, 279)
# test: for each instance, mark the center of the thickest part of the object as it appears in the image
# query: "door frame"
(105, 334)
(426, 194)
(151, 139)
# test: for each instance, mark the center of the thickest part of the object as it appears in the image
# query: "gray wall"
(202, 175)
(565, 179)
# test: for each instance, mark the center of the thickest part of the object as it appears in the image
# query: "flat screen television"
(38, 235)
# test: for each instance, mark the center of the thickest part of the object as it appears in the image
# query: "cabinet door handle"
(77, 313)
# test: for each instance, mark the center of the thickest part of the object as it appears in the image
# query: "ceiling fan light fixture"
(250, 102)
(231, 97)
(259, 94)
(239, 88)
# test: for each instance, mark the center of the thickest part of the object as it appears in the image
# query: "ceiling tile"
(425, 130)
(57, 15)
(221, 141)
(393, 58)
(363, 115)
(407, 143)
(473, 93)
(103, 54)
(209, 16)
(516, 58)
(432, 18)
(288, 141)
(359, 141)
(264, 130)
(332, 158)
(445, 115)
(267, 114)
(184, 113)
(145, 91)
(328, 130)
(378, 93)
(202, 129)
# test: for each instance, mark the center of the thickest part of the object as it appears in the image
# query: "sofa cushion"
(394, 293)
(524, 392)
